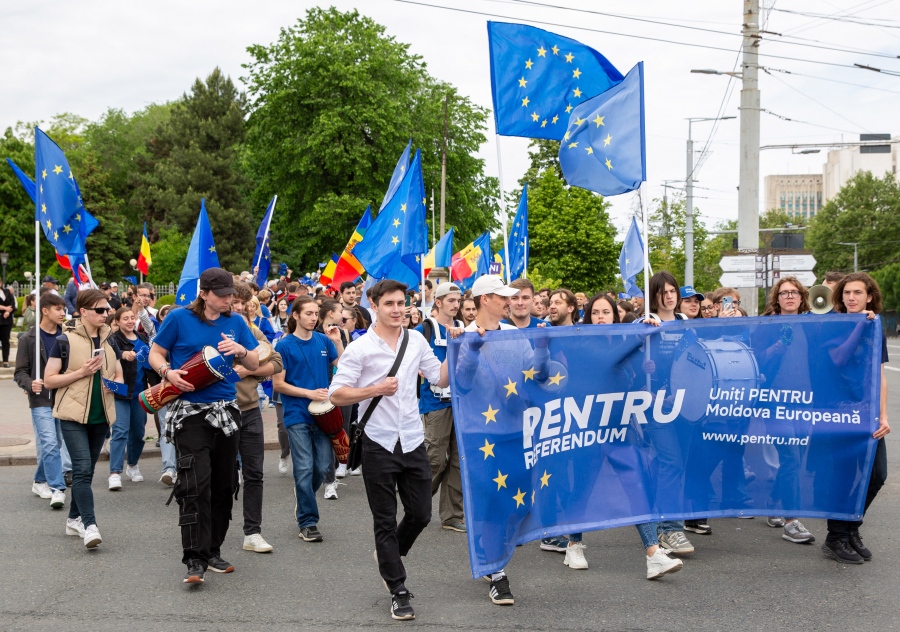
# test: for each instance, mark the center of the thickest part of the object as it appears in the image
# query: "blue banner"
(571, 429)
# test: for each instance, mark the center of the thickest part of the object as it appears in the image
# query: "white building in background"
(845, 163)
(798, 195)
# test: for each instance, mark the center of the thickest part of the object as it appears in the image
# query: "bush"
(165, 299)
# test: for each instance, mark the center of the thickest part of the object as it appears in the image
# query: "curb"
(31, 459)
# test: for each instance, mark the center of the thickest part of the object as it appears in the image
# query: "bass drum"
(710, 365)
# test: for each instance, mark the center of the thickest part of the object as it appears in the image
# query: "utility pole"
(444, 165)
(689, 213)
(748, 194)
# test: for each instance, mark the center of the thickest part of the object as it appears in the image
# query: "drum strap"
(392, 373)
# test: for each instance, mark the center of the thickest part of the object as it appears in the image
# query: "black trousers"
(207, 473)
(841, 529)
(251, 446)
(5, 331)
(385, 474)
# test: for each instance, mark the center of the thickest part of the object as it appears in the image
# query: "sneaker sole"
(193, 579)
(677, 551)
(833, 556)
(503, 602)
(575, 567)
(330, 497)
(668, 571)
(92, 544)
(115, 489)
(230, 569)
(167, 480)
(698, 531)
(306, 539)
(555, 549)
(255, 549)
(808, 540)
(403, 617)
(70, 531)
(450, 527)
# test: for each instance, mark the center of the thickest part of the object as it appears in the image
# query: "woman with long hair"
(281, 316)
(253, 314)
(28, 312)
(415, 317)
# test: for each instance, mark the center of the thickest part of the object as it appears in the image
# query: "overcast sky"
(86, 56)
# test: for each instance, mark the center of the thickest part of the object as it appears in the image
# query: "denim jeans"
(131, 421)
(311, 454)
(166, 449)
(647, 531)
(84, 442)
(52, 456)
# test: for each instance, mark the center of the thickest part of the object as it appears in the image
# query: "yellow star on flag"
(519, 498)
(532, 497)
(500, 480)
(490, 415)
(609, 164)
(212, 248)
(57, 169)
(566, 136)
(535, 117)
(510, 387)
(42, 188)
(77, 217)
(555, 118)
(576, 73)
(403, 207)
(394, 240)
(67, 229)
(544, 123)
(525, 102)
(577, 92)
(49, 225)
(542, 52)
(44, 176)
(522, 82)
(417, 259)
(55, 235)
(529, 64)
(579, 121)
(71, 177)
(573, 145)
(607, 140)
(545, 479)
(599, 120)
(529, 374)
(43, 208)
(557, 379)
(396, 222)
(182, 297)
(589, 150)
(488, 449)
(568, 108)
(555, 50)
(570, 57)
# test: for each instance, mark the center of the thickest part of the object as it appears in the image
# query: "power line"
(846, 18)
(787, 118)
(846, 83)
(618, 34)
(833, 111)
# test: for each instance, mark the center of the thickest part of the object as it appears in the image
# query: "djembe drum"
(200, 373)
(329, 419)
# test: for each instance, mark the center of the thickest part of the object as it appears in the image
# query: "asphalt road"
(742, 577)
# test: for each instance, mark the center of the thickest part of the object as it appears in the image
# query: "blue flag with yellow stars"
(631, 259)
(201, 256)
(603, 149)
(566, 430)
(58, 204)
(398, 236)
(539, 77)
(518, 239)
(262, 254)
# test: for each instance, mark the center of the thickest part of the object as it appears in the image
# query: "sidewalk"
(17, 434)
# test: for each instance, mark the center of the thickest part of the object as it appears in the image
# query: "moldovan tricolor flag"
(144, 259)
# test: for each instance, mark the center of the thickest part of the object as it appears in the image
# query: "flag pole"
(644, 234)
(503, 211)
(266, 234)
(37, 299)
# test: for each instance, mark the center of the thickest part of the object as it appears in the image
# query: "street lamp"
(709, 71)
(4, 259)
(855, 253)
(689, 200)
(29, 276)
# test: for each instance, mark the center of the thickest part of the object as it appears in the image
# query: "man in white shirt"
(394, 454)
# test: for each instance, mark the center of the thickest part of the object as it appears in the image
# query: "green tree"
(888, 279)
(333, 103)
(169, 253)
(195, 154)
(865, 211)
(668, 223)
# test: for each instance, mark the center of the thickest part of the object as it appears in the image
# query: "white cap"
(492, 284)
(113, 284)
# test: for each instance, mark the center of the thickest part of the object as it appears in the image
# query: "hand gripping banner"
(570, 429)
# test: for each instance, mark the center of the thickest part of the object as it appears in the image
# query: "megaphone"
(820, 299)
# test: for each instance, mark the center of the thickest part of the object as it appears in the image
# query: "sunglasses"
(346, 320)
(100, 310)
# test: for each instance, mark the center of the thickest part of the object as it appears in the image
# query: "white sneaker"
(134, 473)
(575, 556)
(75, 527)
(283, 466)
(167, 478)
(356, 472)
(115, 482)
(41, 489)
(331, 490)
(255, 542)
(58, 499)
(240, 477)
(660, 564)
(92, 537)
(341, 471)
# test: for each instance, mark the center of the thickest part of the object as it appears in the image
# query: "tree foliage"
(333, 103)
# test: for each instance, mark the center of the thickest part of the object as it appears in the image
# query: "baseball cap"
(492, 284)
(113, 284)
(104, 286)
(687, 291)
(49, 279)
(218, 281)
(446, 288)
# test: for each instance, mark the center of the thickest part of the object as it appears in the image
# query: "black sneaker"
(840, 551)
(697, 526)
(67, 477)
(857, 545)
(217, 565)
(499, 592)
(400, 608)
(311, 534)
(194, 573)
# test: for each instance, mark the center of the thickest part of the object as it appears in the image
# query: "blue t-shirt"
(183, 334)
(307, 364)
(428, 401)
(534, 322)
(265, 311)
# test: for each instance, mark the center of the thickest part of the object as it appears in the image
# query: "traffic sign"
(738, 263)
(806, 277)
(797, 262)
(741, 279)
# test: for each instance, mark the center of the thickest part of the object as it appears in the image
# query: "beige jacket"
(73, 402)
(247, 396)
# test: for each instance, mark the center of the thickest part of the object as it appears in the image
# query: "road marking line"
(890, 368)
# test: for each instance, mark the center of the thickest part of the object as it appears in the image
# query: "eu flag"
(603, 148)
(398, 234)
(201, 256)
(631, 259)
(397, 177)
(518, 239)
(262, 262)
(58, 204)
(539, 77)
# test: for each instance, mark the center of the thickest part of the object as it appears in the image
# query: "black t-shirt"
(884, 354)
